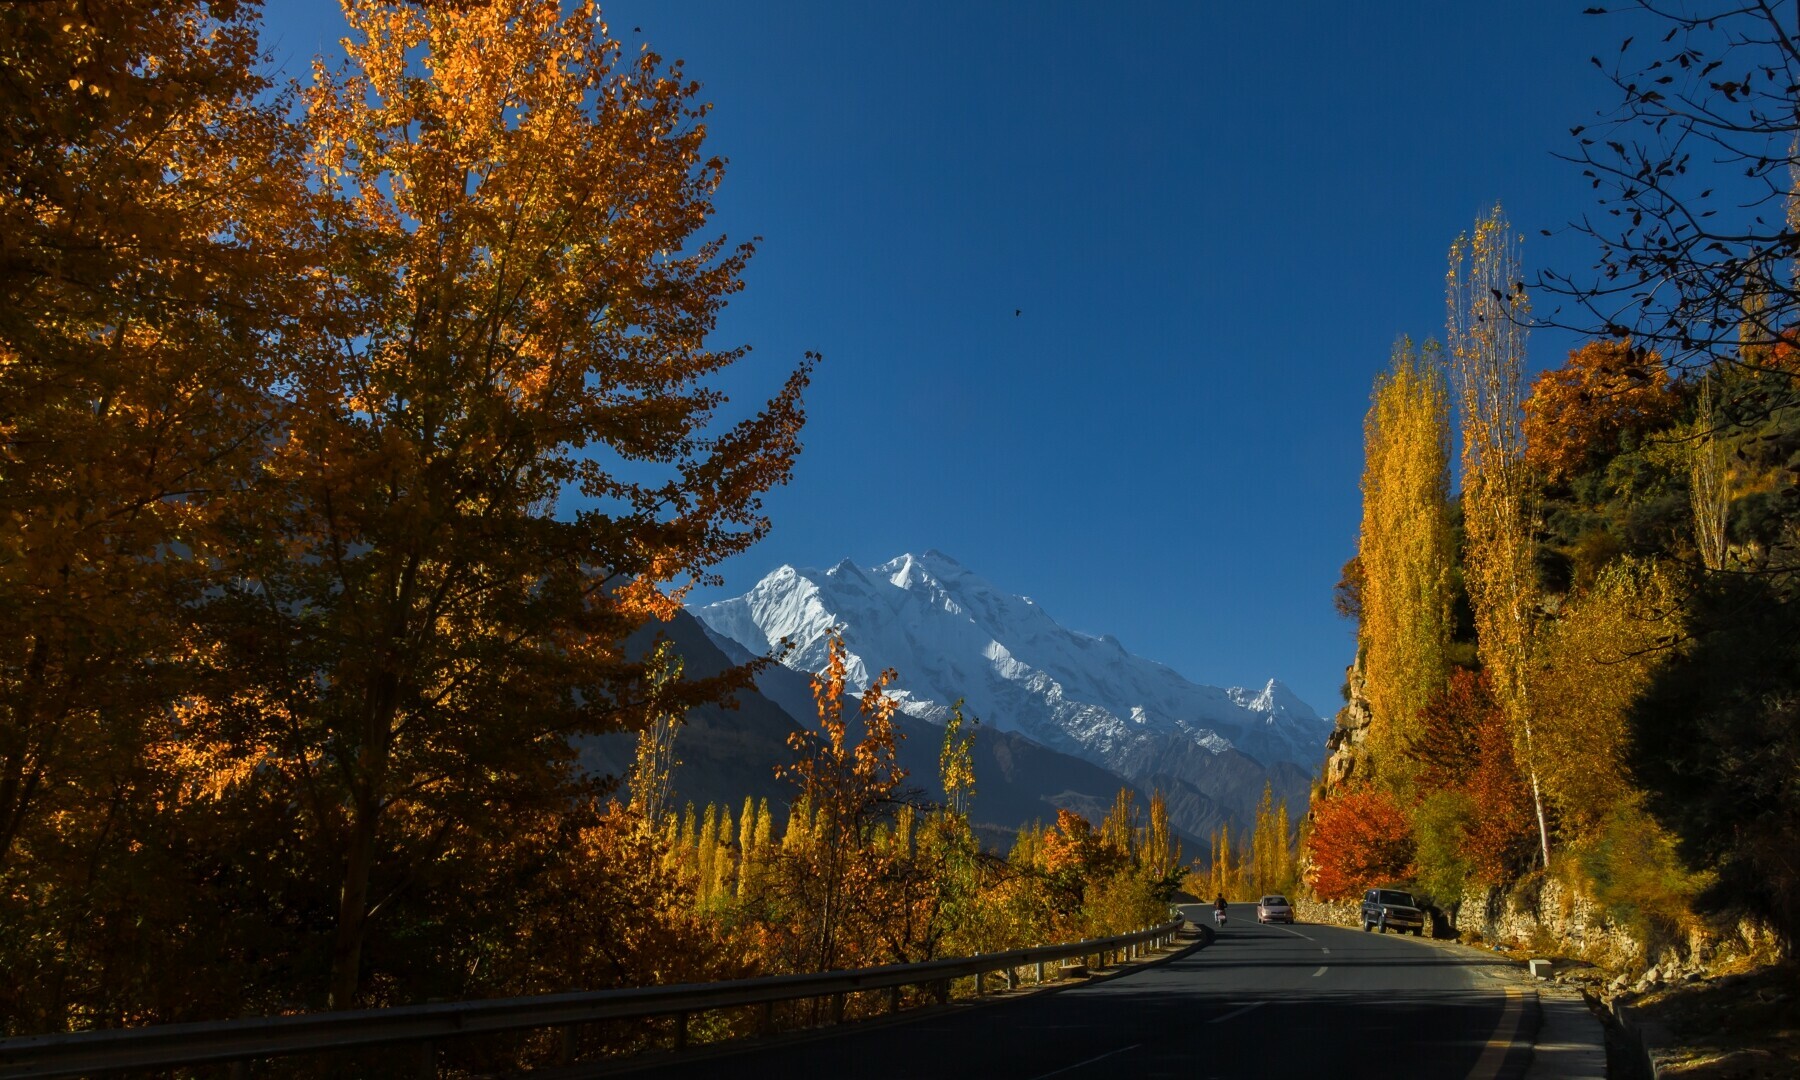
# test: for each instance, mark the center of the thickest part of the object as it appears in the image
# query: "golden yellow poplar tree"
(1488, 309)
(706, 850)
(499, 458)
(655, 761)
(1284, 868)
(956, 763)
(1404, 548)
(1118, 830)
(1161, 853)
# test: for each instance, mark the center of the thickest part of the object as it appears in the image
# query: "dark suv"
(1392, 909)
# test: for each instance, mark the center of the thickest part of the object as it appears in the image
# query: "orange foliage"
(1502, 834)
(833, 867)
(1606, 389)
(1359, 838)
(1446, 746)
(1465, 745)
(1072, 845)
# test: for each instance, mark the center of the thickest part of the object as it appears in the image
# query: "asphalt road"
(1266, 1002)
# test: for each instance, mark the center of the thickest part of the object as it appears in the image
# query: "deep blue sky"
(1215, 217)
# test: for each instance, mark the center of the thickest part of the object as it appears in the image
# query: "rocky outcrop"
(1346, 754)
(1346, 751)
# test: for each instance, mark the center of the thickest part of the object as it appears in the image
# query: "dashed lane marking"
(1233, 1014)
(1089, 1061)
(1320, 972)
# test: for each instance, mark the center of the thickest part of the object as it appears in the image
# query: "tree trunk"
(353, 910)
(359, 862)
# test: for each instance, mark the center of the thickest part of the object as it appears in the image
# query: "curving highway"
(1263, 1002)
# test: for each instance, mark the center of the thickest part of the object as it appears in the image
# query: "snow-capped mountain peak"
(951, 634)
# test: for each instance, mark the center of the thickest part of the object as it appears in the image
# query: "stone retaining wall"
(1332, 912)
(1544, 914)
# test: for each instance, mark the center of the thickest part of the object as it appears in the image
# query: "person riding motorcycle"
(1219, 910)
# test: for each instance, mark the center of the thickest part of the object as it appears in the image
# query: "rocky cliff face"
(1346, 756)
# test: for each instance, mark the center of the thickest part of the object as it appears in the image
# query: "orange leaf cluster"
(1359, 838)
(1465, 745)
(1605, 390)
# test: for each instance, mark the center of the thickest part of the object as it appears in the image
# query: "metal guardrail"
(213, 1042)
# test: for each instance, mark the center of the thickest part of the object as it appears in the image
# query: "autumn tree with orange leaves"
(847, 791)
(152, 220)
(517, 300)
(290, 404)
(1358, 838)
(1606, 391)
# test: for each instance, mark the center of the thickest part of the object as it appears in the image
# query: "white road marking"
(1237, 1012)
(1320, 972)
(1089, 1061)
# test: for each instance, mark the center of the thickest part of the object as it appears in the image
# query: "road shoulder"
(1569, 1040)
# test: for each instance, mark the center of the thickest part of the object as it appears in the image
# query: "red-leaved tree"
(1359, 838)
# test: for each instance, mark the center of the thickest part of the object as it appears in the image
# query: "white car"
(1274, 909)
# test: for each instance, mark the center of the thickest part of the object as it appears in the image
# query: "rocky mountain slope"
(951, 634)
(728, 754)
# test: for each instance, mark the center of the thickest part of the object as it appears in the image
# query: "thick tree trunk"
(359, 861)
(353, 910)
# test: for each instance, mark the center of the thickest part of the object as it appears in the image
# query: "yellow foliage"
(1592, 662)
(1404, 550)
(1488, 313)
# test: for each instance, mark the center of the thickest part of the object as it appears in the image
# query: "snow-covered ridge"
(950, 634)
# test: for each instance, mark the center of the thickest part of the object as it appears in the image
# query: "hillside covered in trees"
(1577, 593)
(1581, 665)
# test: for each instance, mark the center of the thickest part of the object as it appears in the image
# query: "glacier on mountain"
(950, 634)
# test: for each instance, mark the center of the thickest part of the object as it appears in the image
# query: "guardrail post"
(426, 1066)
(894, 998)
(766, 1023)
(565, 1044)
(240, 1069)
(681, 1024)
(980, 983)
(1040, 972)
(1012, 978)
(837, 1008)
(943, 991)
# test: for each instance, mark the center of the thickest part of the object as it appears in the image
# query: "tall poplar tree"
(1404, 550)
(1487, 312)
